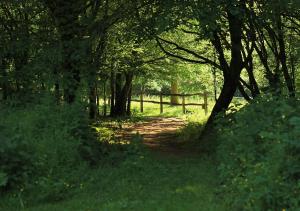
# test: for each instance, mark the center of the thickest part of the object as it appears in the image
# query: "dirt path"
(159, 133)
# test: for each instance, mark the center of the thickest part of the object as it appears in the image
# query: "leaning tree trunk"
(227, 93)
(283, 60)
(272, 77)
(252, 81)
(243, 92)
(231, 71)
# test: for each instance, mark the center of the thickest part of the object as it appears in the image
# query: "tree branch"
(203, 60)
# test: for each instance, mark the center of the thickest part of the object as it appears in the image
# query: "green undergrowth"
(259, 154)
(145, 182)
(46, 149)
(192, 130)
(54, 159)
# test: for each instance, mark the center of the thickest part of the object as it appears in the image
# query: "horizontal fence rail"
(204, 105)
(180, 95)
(166, 103)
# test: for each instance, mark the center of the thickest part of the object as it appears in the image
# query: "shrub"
(259, 155)
(39, 141)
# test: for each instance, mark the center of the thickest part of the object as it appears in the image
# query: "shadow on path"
(159, 134)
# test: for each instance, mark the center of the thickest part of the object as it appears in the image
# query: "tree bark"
(283, 59)
(113, 92)
(93, 101)
(71, 72)
(120, 100)
(273, 78)
(243, 92)
(231, 71)
(174, 90)
(128, 112)
(104, 98)
(253, 83)
(122, 93)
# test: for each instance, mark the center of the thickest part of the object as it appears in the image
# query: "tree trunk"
(93, 101)
(283, 59)
(215, 84)
(122, 93)
(243, 92)
(231, 72)
(104, 98)
(174, 90)
(253, 83)
(128, 112)
(71, 72)
(273, 78)
(120, 99)
(92, 82)
(113, 92)
(66, 15)
(228, 89)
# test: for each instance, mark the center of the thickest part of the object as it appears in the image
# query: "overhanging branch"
(202, 59)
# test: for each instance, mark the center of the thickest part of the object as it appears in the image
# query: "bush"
(39, 142)
(259, 155)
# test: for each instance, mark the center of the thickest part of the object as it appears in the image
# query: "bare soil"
(158, 133)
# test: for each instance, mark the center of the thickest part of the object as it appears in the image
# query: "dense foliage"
(90, 58)
(259, 157)
(39, 141)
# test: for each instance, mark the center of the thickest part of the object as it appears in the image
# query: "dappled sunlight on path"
(158, 133)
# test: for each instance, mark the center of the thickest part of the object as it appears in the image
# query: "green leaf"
(3, 179)
(295, 121)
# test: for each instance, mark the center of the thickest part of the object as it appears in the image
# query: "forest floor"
(164, 176)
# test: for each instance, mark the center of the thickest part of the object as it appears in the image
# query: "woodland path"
(158, 133)
(170, 177)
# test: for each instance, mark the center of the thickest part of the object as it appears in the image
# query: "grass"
(146, 182)
(171, 111)
(193, 112)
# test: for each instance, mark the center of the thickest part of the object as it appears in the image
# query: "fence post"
(205, 103)
(183, 103)
(161, 103)
(142, 102)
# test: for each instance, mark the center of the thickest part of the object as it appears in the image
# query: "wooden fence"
(204, 105)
